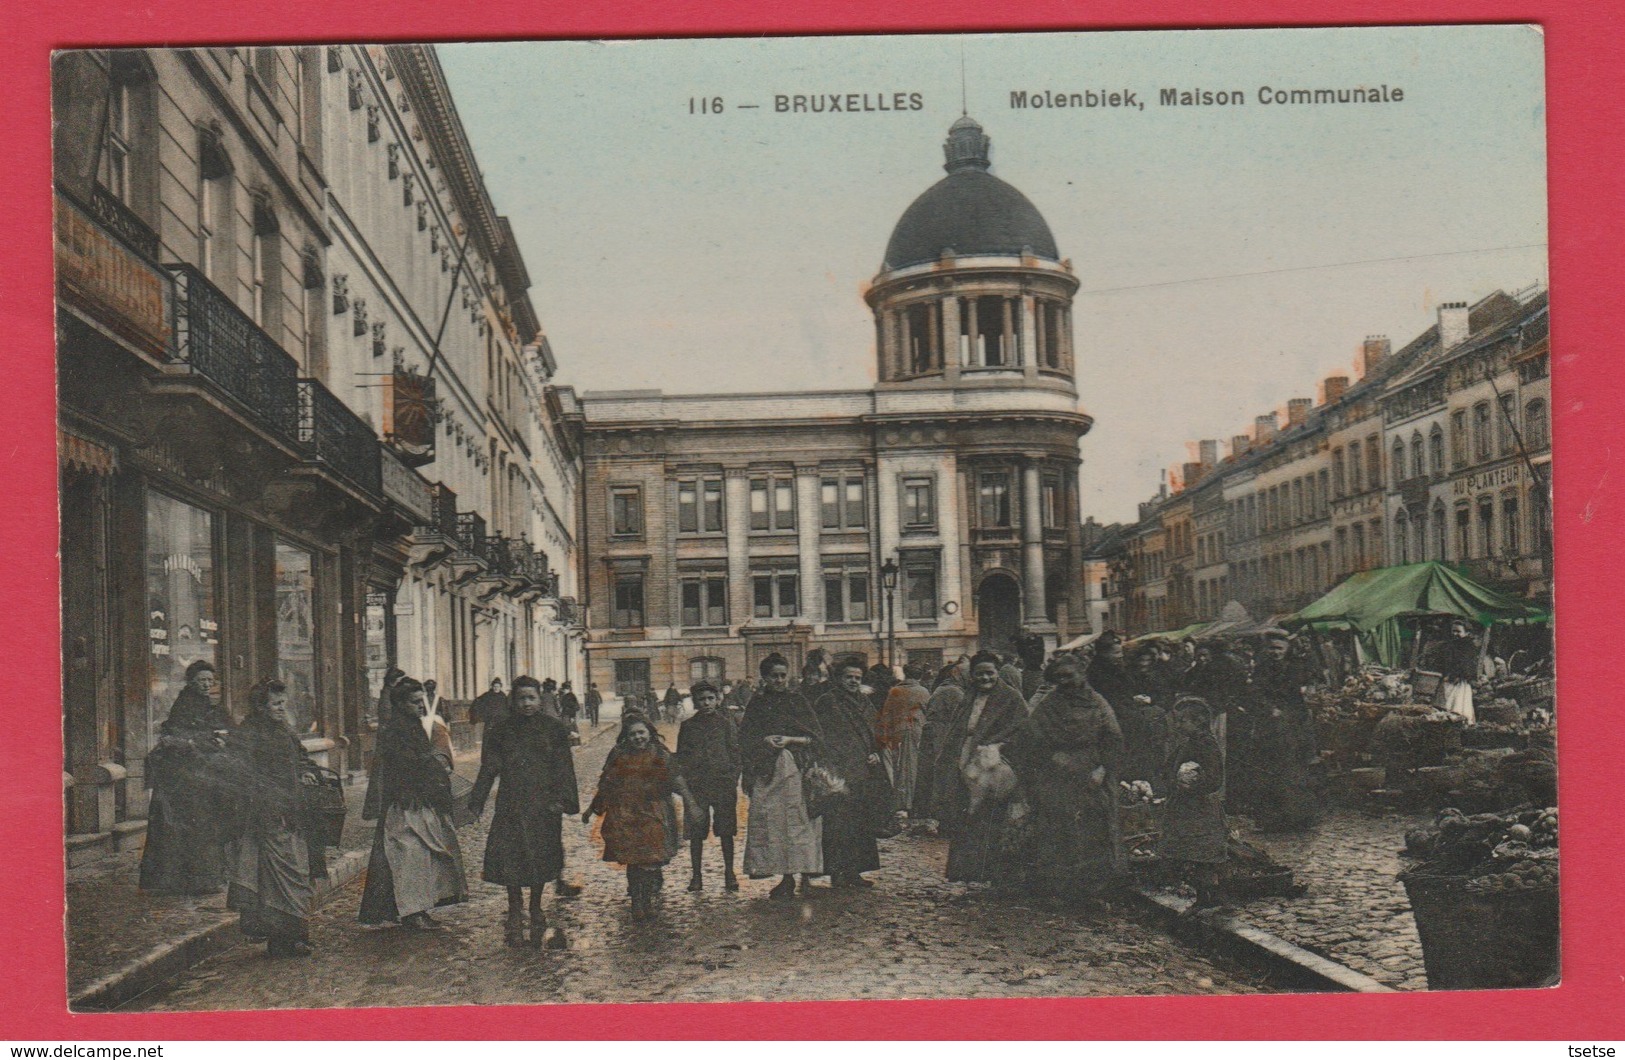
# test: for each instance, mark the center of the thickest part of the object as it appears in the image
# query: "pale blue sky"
(724, 253)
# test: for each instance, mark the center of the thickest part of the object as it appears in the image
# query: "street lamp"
(888, 581)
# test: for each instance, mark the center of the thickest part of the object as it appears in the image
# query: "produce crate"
(1534, 694)
(1476, 941)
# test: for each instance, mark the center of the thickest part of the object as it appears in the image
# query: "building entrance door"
(631, 678)
(998, 612)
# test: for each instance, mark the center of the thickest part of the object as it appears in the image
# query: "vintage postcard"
(1022, 515)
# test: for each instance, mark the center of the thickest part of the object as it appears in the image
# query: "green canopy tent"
(1381, 606)
(1173, 634)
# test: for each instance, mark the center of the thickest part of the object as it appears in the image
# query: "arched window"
(1418, 467)
(1481, 430)
(1436, 450)
(1419, 536)
(1402, 527)
(1439, 531)
(1397, 465)
(1536, 431)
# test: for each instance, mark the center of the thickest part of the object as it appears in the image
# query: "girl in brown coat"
(634, 800)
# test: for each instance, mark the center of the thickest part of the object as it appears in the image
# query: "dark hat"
(773, 659)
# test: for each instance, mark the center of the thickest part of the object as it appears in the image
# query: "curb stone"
(162, 963)
(1261, 949)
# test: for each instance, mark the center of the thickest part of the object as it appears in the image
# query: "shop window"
(296, 634)
(182, 627)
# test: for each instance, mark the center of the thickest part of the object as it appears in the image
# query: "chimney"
(1264, 428)
(1335, 387)
(1452, 325)
(1297, 411)
(1208, 452)
(1190, 474)
(1239, 445)
(1377, 349)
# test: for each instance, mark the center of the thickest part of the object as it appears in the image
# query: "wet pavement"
(913, 936)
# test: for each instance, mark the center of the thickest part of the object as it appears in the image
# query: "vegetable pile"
(1497, 852)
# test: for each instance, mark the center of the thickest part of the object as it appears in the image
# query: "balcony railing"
(505, 556)
(470, 534)
(123, 222)
(443, 507)
(338, 437)
(406, 488)
(223, 345)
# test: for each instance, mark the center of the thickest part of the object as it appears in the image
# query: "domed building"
(722, 527)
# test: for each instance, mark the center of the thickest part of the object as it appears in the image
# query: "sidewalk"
(122, 942)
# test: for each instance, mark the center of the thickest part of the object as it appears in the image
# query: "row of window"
(703, 596)
(843, 504)
(1490, 528)
(990, 333)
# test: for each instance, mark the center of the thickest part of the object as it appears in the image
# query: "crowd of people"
(1019, 761)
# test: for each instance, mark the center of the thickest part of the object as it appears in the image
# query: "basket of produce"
(1499, 712)
(1530, 695)
(1485, 899)
(1410, 739)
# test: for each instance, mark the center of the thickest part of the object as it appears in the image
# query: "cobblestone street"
(914, 935)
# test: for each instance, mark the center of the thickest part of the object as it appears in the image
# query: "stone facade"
(719, 528)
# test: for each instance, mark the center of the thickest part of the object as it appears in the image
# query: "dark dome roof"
(970, 211)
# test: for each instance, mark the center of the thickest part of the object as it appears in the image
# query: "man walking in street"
(595, 702)
(490, 708)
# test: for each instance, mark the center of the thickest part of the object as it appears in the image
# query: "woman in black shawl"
(989, 715)
(529, 751)
(846, 717)
(1065, 757)
(416, 863)
(185, 850)
(778, 741)
(277, 854)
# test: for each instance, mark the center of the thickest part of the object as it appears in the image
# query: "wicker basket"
(1477, 941)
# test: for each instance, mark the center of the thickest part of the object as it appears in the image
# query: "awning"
(80, 453)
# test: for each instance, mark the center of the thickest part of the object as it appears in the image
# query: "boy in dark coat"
(708, 751)
(530, 753)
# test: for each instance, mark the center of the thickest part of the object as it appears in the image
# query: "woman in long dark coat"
(990, 714)
(185, 850)
(1194, 837)
(529, 752)
(1065, 757)
(276, 857)
(634, 799)
(779, 740)
(851, 751)
(416, 862)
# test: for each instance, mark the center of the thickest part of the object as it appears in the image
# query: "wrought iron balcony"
(219, 342)
(123, 222)
(506, 556)
(338, 437)
(470, 534)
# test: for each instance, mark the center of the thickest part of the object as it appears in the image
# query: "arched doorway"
(998, 611)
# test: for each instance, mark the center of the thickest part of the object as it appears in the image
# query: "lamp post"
(888, 581)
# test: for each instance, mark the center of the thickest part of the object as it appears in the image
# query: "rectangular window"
(1464, 533)
(919, 504)
(1337, 472)
(1357, 557)
(116, 150)
(1486, 526)
(1373, 461)
(775, 595)
(846, 595)
(920, 593)
(688, 507)
(181, 627)
(773, 503)
(296, 634)
(1481, 430)
(1509, 527)
(1356, 474)
(1458, 438)
(994, 500)
(625, 511)
(699, 506)
(841, 503)
(705, 600)
(1507, 420)
(628, 601)
(1376, 538)
(1050, 502)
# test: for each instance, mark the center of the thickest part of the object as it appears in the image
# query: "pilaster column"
(1029, 337)
(950, 338)
(808, 522)
(736, 521)
(974, 354)
(1032, 544)
(1008, 342)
